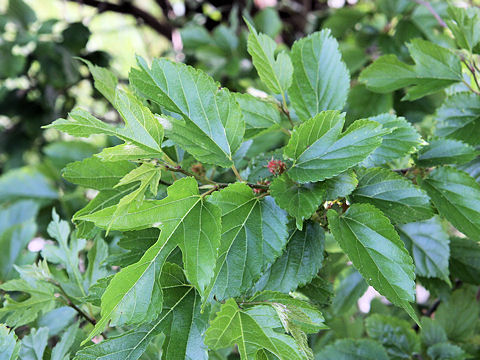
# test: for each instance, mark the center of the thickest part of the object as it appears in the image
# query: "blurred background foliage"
(41, 80)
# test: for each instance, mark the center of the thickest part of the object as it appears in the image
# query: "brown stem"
(208, 181)
(471, 68)
(126, 7)
(432, 11)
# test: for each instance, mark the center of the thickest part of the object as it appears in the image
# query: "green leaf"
(275, 73)
(181, 321)
(9, 347)
(320, 151)
(40, 301)
(445, 151)
(397, 197)
(233, 326)
(435, 68)
(259, 115)
(141, 127)
(341, 185)
(319, 292)
(299, 263)
(96, 174)
(61, 350)
(34, 344)
(351, 349)
(465, 259)
(126, 152)
(102, 200)
(66, 253)
(459, 118)
(350, 288)
(254, 234)
(104, 80)
(446, 351)
(26, 183)
(459, 315)
(465, 26)
(297, 317)
(148, 175)
(300, 201)
(427, 242)
(456, 195)
(134, 296)
(212, 127)
(375, 249)
(432, 332)
(96, 257)
(320, 78)
(401, 141)
(394, 334)
(17, 228)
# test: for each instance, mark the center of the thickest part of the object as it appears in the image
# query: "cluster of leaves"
(220, 245)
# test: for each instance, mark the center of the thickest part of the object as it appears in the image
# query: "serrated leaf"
(446, 351)
(212, 127)
(394, 334)
(9, 347)
(352, 349)
(319, 292)
(61, 350)
(465, 26)
(66, 253)
(459, 118)
(401, 141)
(133, 295)
(259, 115)
(41, 300)
(299, 263)
(34, 344)
(254, 233)
(435, 68)
(399, 199)
(375, 249)
(126, 152)
(102, 200)
(234, 326)
(275, 72)
(141, 127)
(432, 332)
(305, 316)
(320, 151)
(459, 314)
(95, 174)
(104, 80)
(340, 185)
(428, 243)
(465, 259)
(456, 195)
(320, 78)
(299, 200)
(445, 151)
(148, 175)
(181, 321)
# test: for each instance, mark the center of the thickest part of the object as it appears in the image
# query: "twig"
(432, 11)
(208, 181)
(237, 174)
(471, 68)
(126, 7)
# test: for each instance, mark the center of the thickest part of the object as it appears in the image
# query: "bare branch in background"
(163, 28)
